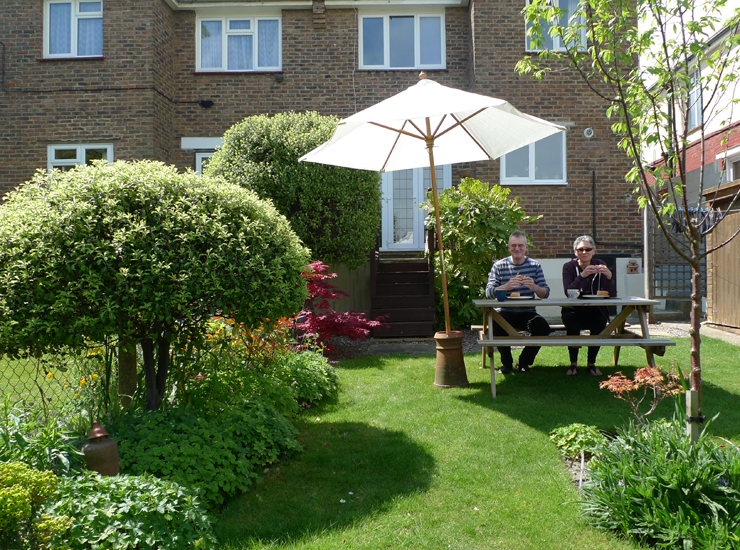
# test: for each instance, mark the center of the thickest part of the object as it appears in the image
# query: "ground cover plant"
(397, 463)
(651, 484)
(131, 512)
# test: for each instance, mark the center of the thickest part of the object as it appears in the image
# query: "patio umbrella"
(425, 124)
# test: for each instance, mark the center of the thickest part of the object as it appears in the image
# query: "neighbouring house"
(164, 79)
(713, 179)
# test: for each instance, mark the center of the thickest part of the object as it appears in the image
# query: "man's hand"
(529, 283)
(514, 282)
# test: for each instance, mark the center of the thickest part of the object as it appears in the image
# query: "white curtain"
(210, 44)
(268, 43)
(90, 36)
(240, 52)
(60, 26)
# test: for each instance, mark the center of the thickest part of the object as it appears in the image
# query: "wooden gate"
(723, 284)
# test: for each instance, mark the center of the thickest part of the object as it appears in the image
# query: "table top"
(567, 302)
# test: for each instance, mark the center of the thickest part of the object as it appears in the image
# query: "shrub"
(318, 323)
(309, 375)
(652, 485)
(335, 211)
(41, 444)
(138, 250)
(132, 512)
(217, 456)
(476, 220)
(23, 491)
(574, 439)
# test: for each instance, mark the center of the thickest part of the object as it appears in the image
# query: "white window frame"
(200, 156)
(80, 148)
(695, 102)
(76, 16)
(731, 157)
(408, 12)
(226, 32)
(529, 180)
(556, 44)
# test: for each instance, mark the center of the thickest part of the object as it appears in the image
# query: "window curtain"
(240, 53)
(268, 49)
(60, 28)
(210, 44)
(90, 36)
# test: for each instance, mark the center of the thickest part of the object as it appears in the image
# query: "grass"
(397, 463)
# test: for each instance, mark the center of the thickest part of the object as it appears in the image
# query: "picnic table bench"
(614, 334)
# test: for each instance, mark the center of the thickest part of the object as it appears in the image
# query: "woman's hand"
(595, 269)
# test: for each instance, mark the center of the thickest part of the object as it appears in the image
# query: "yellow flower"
(77, 394)
(66, 386)
(50, 375)
(93, 376)
(83, 382)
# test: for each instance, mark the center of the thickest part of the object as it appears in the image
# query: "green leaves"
(138, 248)
(652, 485)
(335, 211)
(476, 220)
(131, 512)
(216, 457)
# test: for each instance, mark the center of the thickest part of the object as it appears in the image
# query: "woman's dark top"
(587, 285)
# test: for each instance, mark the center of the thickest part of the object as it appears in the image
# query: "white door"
(403, 192)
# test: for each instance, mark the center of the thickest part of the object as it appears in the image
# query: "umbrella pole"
(450, 369)
(430, 145)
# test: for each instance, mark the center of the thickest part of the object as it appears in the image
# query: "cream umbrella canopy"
(425, 124)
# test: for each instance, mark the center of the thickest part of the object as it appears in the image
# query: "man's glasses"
(517, 246)
(584, 249)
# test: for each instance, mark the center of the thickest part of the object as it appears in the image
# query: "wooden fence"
(723, 274)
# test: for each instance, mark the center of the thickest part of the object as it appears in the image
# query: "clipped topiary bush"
(335, 211)
(138, 250)
(132, 512)
(218, 456)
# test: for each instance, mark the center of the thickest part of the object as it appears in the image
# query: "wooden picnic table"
(614, 334)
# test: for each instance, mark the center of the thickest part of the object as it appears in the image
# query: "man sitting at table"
(522, 275)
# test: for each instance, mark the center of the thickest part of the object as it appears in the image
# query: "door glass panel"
(403, 207)
(439, 172)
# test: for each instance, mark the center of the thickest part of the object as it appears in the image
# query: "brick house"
(164, 79)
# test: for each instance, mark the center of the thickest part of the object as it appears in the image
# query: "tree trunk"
(126, 371)
(155, 374)
(693, 424)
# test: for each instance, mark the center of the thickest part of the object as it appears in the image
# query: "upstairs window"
(556, 43)
(540, 163)
(694, 114)
(239, 44)
(65, 157)
(73, 28)
(403, 41)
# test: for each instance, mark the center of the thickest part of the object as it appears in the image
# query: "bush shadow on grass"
(347, 471)
(546, 398)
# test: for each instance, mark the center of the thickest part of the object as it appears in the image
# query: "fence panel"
(723, 302)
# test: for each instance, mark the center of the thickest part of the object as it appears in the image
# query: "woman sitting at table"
(589, 276)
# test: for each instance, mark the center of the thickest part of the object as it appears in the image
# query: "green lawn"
(397, 463)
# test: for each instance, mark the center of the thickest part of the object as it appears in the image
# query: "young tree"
(143, 252)
(668, 78)
(335, 211)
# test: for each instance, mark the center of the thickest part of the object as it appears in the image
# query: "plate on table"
(592, 297)
(520, 297)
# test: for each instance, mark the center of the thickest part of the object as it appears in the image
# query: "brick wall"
(498, 41)
(143, 97)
